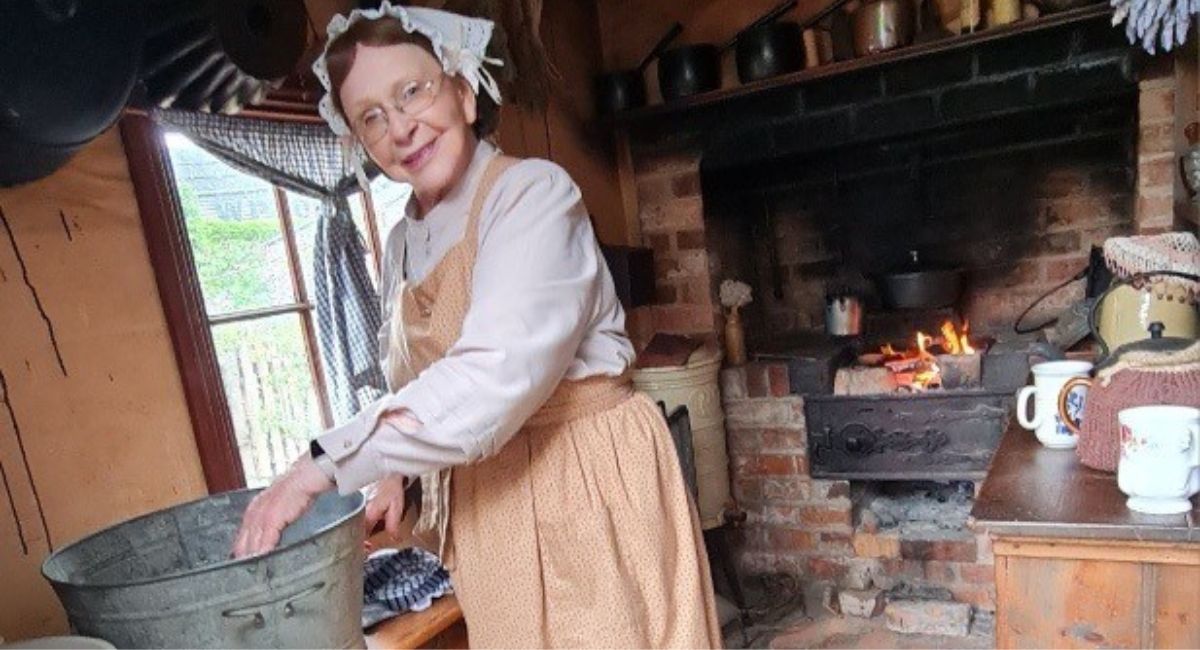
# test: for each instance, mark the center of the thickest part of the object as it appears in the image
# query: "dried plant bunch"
(735, 294)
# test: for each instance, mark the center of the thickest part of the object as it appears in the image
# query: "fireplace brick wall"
(1020, 222)
(671, 213)
(1156, 163)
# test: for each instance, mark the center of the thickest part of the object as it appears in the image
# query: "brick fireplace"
(1009, 158)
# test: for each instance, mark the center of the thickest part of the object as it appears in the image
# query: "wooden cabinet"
(1075, 568)
(1066, 593)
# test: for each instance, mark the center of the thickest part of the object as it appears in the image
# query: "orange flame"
(956, 343)
(966, 344)
(927, 378)
(930, 374)
(950, 339)
(924, 372)
(922, 339)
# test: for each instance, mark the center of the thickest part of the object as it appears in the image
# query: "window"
(252, 244)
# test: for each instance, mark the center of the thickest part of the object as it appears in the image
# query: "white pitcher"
(1160, 458)
(1048, 380)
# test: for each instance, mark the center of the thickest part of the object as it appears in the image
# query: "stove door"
(905, 437)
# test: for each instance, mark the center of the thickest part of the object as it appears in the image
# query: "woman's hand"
(387, 504)
(279, 505)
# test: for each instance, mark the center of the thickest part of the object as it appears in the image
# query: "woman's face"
(429, 150)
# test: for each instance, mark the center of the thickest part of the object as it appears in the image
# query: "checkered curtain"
(306, 159)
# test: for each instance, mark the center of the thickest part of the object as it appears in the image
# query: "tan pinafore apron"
(578, 532)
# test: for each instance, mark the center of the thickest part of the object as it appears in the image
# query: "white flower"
(735, 294)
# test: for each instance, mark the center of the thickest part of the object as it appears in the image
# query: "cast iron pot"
(690, 69)
(769, 50)
(921, 287)
(626, 89)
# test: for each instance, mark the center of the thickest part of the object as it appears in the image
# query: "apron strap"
(496, 167)
(435, 486)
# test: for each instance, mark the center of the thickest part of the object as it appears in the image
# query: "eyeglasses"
(410, 99)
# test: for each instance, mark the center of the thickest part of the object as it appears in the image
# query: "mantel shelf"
(711, 98)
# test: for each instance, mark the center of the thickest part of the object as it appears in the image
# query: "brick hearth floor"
(829, 630)
(778, 619)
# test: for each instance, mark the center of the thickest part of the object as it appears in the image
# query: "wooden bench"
(440, 626)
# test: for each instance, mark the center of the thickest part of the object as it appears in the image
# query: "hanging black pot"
(67, 71)
(917, 285)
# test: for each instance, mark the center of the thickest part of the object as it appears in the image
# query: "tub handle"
(254, 611)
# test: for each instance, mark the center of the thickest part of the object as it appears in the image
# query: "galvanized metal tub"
(166, 580)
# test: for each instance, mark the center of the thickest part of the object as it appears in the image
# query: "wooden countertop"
(416, 629)
(1034, 491)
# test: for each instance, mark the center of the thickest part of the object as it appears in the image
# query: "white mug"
(1160, 458)
(1048, 380)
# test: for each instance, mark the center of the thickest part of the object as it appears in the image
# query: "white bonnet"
(459, 42)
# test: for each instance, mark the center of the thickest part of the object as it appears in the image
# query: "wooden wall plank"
(522, 132)
(565, 130)
(108, 438)
(576, 141)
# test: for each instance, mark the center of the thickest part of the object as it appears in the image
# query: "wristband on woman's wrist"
(322, 460)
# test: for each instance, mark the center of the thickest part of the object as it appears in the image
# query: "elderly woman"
(553, 487)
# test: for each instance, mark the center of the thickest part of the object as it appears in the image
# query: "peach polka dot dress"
(579, 532)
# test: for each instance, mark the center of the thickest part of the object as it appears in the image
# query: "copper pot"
(881, 25)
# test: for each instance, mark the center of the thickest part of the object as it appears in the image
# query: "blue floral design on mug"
(1074, 409)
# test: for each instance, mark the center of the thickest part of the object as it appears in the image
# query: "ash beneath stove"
(919, 509)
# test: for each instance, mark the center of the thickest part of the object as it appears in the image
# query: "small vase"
(735, 338)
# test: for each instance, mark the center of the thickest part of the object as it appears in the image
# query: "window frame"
(187, 318)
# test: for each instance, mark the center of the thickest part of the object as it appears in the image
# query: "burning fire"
(918, 369)
(954, 342)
